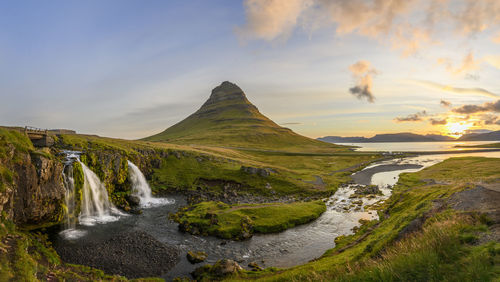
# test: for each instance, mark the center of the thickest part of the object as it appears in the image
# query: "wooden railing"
(30, 130)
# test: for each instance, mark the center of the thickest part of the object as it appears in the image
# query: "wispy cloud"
(472, 109)
(445, 103)
(363, 75)
(456, 90)
(408, 24)
(271, 19)
(467, 65)
(291, 123)
(412, 118)
(434, 121)
(493, 60)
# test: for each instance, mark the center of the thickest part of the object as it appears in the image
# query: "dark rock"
(264, 172)
(133, 200)
(254, 266)
(196, 257)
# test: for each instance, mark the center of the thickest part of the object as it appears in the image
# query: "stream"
(289, 248)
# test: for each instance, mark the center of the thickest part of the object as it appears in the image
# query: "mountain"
(438, 137)
(400, 137)
(339, 139)
(228, 119)
(393, 137)
(490, 136)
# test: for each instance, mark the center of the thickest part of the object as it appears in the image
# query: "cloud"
(489, 119)
(472, 109)
(271, 19)
(291, 123)
(456, 90)
(468, 64)
(445, 103)
(363, 75)
(412, 118)
(438, 121)
(493, 60)
(407, 25)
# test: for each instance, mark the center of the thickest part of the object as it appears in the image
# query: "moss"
(241, 221)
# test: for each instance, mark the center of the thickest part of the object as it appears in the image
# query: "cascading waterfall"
(70, 231)
(96, 207)
(141, 189)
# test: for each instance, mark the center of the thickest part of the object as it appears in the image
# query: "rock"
(133, 200)
(367, 190)
(196, 257)
(254, 266)
(224, 267)
(264, 172)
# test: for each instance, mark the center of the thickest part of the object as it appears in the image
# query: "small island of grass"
(240, 222)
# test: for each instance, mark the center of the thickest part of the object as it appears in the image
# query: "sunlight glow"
(457, 129)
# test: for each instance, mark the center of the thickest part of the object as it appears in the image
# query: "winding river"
(292, 247)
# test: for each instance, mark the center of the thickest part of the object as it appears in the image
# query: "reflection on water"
(416, 146)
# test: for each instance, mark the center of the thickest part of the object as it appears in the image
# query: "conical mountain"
(228, 119)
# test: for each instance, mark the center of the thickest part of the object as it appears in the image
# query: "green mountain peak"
(229, 119)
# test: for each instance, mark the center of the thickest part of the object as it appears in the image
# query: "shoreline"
(364, 177)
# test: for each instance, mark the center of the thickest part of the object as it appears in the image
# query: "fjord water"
(141, 189)
(416, 146)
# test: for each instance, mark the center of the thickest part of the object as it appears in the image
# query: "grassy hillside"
(228, 119)
(446, 244)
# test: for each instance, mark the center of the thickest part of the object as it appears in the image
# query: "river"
(292, 247)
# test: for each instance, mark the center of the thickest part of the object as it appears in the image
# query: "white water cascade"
(141, 189)
(70, 231)
(96, 207)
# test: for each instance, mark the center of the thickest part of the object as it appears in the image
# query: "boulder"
(196, 257)
(225, 267)
(264, 172)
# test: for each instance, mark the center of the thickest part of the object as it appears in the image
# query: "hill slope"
(228, 119)
(490, 136)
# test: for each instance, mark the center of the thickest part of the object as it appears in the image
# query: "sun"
(457, 129)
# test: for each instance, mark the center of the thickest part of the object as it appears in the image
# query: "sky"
(130, 69)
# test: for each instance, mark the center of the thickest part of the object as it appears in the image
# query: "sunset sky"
(130, 69)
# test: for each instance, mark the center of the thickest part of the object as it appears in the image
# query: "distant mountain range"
(411, 137)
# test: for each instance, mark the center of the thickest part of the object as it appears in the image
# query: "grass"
(233, 221)
(228, 119)
(441, 251)
(184, 167)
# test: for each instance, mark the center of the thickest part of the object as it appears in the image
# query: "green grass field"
(232, 221)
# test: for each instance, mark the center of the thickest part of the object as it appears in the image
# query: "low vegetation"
(241, 221)
(442, 245)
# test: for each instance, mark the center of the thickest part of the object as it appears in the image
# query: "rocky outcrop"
(35, 194)
(264, 172)
(220, 269)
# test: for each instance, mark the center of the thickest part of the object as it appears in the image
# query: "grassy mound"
(240, 221)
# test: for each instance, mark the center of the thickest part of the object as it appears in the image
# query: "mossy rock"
(196, 257)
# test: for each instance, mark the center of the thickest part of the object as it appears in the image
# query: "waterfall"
(141, 189)
(96, 207)
(70, 231)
